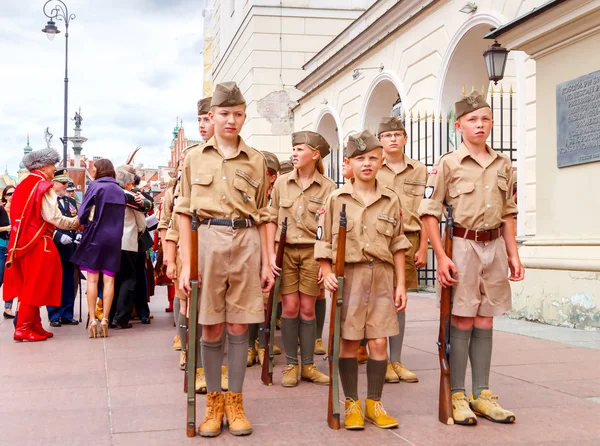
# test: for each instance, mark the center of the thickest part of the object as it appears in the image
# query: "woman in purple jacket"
(102, 212)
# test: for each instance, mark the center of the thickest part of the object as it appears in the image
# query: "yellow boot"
(251, 357)
(362, 355)
(354, 419)
(461, 412)
(404, 374)
(236, 418)
(487, 406)
(313, 374)
(99, 310)
(224, 378)
(290, 376)
(319, 347)
(276, 350)
(390, 374)
(261, 355)
(213, 416)
(182, 359)
(376, 414)
(177, 343)
(200, 381)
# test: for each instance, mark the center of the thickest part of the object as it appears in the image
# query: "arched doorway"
(384, 98)
(328, 127)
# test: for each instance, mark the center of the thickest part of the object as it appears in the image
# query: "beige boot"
(177, 343)
(213, 416)
(224, 378)
(376, 414)
(390, 374)
(236, 418)
(276, 350)
(319, 347)
(290, 376)
(200, 381)
(182, 359)
(461, 412)
(362, 355)
(487, 406)
(354, 420)
(404, 374)
(313, 374)
(261, 356)
(251, 357)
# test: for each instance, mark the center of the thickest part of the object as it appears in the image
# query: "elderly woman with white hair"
(134, 224)
(33, 266)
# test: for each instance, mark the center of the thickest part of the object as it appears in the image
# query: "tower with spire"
(22, 172)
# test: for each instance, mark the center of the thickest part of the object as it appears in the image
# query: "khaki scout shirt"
(168, 219)
(409, 184)
(373, 232)
(300, 206)
(219, 187)
(480, 195)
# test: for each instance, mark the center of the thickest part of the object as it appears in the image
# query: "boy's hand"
(266, 279)
(331, 282)
(421, 258)
(184, 281)
(517, 272)
(171, 270)
(273, 264)
(400, 298)
(446, 271)
(320, 277)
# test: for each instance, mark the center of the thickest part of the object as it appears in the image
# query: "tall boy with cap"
(407, 177)
(223, 181)
(375, 247)
(477, 182)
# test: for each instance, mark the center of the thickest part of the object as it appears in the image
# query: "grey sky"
(134, 66)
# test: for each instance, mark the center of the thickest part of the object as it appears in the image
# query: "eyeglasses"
(392, 135)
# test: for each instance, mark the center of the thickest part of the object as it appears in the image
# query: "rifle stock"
(271, 317)
(333, 402)
(445, 396)
(190, 370)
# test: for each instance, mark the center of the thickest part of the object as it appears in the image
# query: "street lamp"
(60, 11)
(495, 61)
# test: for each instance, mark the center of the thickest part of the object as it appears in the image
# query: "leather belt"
(238, 223)
(476, 235)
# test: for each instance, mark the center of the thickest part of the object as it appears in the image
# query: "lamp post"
(495, 61)
(58, 10)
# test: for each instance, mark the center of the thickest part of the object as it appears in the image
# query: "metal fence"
(431, 136)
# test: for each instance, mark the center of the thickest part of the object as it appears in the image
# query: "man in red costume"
(33, 264)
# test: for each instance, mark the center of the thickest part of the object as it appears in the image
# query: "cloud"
(134, 67)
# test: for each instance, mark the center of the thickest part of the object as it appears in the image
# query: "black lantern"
(495, 61)
(51, 30)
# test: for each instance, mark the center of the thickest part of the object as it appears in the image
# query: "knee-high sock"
(320, 310)
(237, 356)
(252, 334)
(375, 378)
(459, 353)
(480, 353)
(349, 377)
(397, 341)
(212, 356)
(289, 334)
(307, 341)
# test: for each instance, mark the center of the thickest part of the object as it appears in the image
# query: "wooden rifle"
(445, 397)
(271, 317)
(333, 402)
(192, 333)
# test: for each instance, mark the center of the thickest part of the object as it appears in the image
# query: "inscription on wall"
(578, 120)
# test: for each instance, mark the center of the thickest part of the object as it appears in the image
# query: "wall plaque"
(578, 120)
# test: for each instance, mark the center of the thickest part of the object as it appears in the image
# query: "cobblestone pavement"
(127, 390)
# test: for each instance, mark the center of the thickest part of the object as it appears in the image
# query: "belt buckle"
(477, 231)
(240, 223)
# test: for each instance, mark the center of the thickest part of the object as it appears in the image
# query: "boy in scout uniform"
(224, 182)
(477, 182)
(407, 177)
(299, 196)
(256, 338)
(375, 248)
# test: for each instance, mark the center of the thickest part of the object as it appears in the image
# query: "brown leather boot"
(213, 416)
(362, 355)
(236, 418)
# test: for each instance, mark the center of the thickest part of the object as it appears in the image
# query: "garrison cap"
(204, 106)
(361, 143)
(388, 124)
(469, 104)
(40, 158)
(61, 176)
(312, 139)
(285, 166)
(272, 161)
(70, 186)
(227, 94)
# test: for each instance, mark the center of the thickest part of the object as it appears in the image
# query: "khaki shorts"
(300, 270)
(229, 262)
(483, 288)
(368, 309)
(410, 270)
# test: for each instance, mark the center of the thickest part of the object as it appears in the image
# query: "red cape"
(33, 270)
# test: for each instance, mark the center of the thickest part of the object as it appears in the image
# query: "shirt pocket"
(413, 192)
(315, 204)
(246, 185)
(201, 190)
(460, 188)
(385, 228)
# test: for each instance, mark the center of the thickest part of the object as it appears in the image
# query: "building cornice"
(555, 28)
(398, 16)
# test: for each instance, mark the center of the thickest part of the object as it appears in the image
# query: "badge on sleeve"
(319, 232)
(428, 191)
